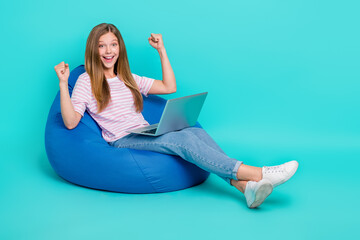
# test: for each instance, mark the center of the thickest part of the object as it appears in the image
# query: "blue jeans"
(192, 144)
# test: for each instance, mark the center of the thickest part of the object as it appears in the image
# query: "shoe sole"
(261, 194)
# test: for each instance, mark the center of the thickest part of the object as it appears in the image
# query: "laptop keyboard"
(152, 131)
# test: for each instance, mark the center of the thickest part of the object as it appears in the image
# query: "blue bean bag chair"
(81, 156)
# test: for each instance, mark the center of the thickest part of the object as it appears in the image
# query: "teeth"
(108, 57)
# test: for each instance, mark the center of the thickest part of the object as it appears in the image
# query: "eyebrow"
(111, 41)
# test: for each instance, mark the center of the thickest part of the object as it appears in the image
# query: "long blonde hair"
(94, 68)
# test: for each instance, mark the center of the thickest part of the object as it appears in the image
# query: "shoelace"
(274, 169)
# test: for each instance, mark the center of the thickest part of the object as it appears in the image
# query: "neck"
(109, 73)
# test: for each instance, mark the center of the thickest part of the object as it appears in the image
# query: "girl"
(112, 96)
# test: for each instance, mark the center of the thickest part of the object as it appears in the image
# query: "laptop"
(178, 113)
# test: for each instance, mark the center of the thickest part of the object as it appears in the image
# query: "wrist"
(162, 50)
(63, 85)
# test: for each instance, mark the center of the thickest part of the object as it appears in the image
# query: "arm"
(168, 84)
(70, 117)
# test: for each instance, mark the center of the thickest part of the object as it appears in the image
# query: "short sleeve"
(144, 83)
(81, 95)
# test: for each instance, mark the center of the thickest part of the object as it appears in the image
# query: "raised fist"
(63, 72)
(156, 41)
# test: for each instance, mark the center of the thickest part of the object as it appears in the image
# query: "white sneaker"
(281, 173)
(256, 192)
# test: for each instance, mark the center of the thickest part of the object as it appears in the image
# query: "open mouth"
(108, 59)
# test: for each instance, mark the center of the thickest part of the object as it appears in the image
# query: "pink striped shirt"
(120, 115)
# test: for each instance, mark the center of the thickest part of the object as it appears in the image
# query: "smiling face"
(109, 52)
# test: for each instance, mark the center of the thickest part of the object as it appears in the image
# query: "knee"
(197, 131)
(181, 135)
(188, 133)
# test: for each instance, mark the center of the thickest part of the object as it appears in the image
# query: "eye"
(114, 44)
(100, 46)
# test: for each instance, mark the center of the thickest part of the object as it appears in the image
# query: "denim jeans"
(192, 144)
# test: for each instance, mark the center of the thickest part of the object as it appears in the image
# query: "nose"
(108, 49)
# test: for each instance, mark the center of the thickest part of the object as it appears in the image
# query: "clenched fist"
(63, 72)
(156, 41)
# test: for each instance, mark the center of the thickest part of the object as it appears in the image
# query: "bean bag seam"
(142, 172)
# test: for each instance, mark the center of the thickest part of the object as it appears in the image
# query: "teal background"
(283, 82)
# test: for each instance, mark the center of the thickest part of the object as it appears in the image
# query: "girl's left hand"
(156, 41)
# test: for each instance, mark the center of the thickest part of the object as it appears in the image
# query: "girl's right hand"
(63, 72)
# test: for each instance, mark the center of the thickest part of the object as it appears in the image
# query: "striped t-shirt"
(120, 114)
